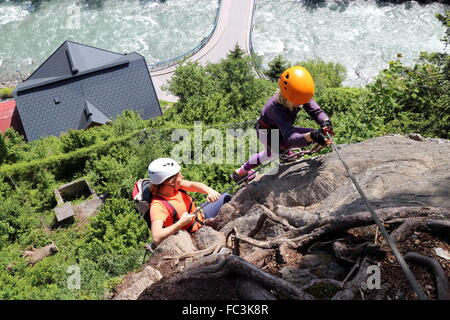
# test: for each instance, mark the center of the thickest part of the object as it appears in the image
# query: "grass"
(165, 104)
(6, 93)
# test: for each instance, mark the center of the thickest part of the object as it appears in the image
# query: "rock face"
(176, 244)
(138, 282)
(206, 237)
(394, 171)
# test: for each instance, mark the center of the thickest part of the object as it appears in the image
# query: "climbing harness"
(298, 153)
(410, 277)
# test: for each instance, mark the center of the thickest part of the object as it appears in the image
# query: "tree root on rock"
(300, 238)
(236, 266)
(440, 227)
(251, 290)
(352, 288)
(196, 254)
(349, 254)
(440, 276)
(259, 257)
(253, 283)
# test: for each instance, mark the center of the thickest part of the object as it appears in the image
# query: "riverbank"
(10, 82)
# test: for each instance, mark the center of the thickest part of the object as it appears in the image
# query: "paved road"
(233, 26)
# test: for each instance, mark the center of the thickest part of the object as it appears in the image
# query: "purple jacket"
(278, 117)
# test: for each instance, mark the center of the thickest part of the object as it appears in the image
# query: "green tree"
(276, 68)
(16, 146)
(236, 52)
(3, 151)
(75, 139)
(221, 92)
(325, 74)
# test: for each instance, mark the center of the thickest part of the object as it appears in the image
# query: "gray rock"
(207, 237)
(176, 244)
(322, 265)
(244, 224)
(296, 216)
(296, 276)
(393, 171)
(138, 283)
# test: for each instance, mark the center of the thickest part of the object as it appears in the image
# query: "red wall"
(9, 116)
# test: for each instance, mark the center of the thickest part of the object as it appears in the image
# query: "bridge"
(233, 25)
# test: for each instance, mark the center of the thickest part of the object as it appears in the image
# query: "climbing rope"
(409, 276)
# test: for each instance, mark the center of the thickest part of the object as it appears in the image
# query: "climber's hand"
(318, 137)
(328, 128)
(212, 196)
(186, 218)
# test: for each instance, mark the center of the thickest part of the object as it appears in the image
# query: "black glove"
(328, 127)
(318, 137)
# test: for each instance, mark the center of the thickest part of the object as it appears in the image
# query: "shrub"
(325, 74)
(276, 68)
(6, 93)
(218, 92)
(3, 151)
(339, 100)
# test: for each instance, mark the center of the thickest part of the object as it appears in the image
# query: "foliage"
(6, 93)
(76, 139)
(339, 100)
(218, 92)
(445, 20)
(111, 157)
(414, 99)
(16, 219)
(276, 68)
(16, 148)
(3, 149)
(325, 74)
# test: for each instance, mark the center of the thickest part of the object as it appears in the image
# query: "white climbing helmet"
(162, 169)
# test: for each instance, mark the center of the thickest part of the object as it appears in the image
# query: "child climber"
(171, 208)
(296, 89)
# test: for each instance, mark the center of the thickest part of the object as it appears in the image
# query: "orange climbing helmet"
(296, 85)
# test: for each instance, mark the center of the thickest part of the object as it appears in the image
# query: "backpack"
(143, 197)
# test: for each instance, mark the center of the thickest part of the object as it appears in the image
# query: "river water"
(159, 30)
(361, 35)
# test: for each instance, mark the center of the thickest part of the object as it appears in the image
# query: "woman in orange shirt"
(171, 208)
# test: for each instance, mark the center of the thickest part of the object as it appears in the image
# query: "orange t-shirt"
(181, 202)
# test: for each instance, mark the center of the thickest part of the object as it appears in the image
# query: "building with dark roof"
(79, 86)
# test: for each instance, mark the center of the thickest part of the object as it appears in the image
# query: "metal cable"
(409, 276)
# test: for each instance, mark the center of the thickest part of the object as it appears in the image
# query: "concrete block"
(64, 212)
